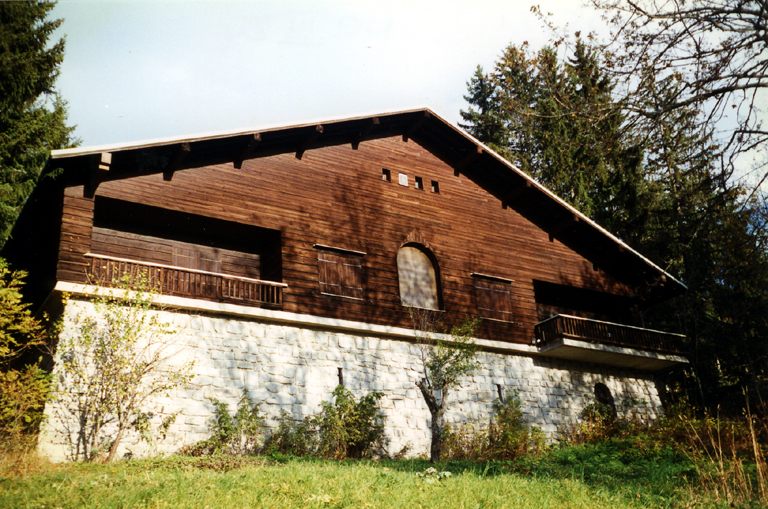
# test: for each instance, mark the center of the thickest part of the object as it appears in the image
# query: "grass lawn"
(582, 476)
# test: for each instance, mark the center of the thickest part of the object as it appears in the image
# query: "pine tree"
(559, 123)
(32, 114)
(656, 184)
(716, 242)
(483, 117)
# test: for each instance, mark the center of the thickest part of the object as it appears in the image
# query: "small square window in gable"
(493, 296)
(419, 183)
(435, 186)
(386, 175)
(402, 179)
(340, 272)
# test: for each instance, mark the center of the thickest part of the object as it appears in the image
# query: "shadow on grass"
(601, 464)
(618, 466)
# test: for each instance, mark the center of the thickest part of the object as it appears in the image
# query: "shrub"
(293, 437)
(23, 388)
(112, 363)
(597, 422)
(506, 437)
(235, 434)
(349, 428)
(509, 436)
(344, 428)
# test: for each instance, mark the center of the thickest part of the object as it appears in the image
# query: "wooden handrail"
(185, 269)
(171, 280)
(609, 333)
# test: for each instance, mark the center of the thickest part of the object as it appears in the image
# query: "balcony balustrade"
(183, 282)
(573, 337)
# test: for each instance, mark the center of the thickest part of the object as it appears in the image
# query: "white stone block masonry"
(294, 368)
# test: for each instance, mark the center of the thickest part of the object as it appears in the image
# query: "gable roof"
(467, 155)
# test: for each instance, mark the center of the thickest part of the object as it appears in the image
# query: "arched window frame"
(435, 266)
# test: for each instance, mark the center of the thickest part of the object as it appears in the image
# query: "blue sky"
(136, 70)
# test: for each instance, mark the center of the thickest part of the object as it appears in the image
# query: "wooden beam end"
(105, 161)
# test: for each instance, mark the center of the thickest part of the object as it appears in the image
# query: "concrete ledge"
(295, 319)
(571, 349)
(564, 348)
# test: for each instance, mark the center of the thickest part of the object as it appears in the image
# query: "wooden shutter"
(340, 273)
(494, 297)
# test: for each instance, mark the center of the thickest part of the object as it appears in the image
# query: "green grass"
(609, 475)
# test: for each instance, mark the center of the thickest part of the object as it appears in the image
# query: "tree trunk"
(435, 400)
(115, 444)
(438, 424)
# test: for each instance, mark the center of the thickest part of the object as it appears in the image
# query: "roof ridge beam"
(418, 124)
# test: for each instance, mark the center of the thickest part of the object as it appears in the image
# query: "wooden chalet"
(359, 219)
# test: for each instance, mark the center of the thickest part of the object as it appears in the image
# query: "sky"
(138, 70)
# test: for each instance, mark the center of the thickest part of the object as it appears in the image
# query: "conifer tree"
(659, 186)
(559, 123)
(32, 114)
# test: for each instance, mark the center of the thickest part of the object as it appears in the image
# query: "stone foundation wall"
(294, 368)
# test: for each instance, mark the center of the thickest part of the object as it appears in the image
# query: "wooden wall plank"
(336, 196)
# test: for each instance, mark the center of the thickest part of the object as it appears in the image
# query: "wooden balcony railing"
(170, 280)
(607, 333)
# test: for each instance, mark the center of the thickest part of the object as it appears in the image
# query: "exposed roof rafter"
(250, 145)
(181, 153)
(311, 139)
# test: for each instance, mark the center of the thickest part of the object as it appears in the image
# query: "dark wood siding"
(75, 239)
(336, 196)
(120, 244)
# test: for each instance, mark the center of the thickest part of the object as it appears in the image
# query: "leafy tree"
(719, 51)
(443, 365)
(23, 390)
(714, 239)
(659, 185)
(32, 115)
(112, 362)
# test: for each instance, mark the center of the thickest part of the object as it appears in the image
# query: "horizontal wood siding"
(336, 196)
(148, 248)
(75, 240)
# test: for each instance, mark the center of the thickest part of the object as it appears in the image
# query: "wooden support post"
(178, 157)
(96, 167)
(250, 146)
(313, 136)
(90, 185)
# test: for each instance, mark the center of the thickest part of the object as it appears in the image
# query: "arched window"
(419, 285)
